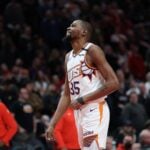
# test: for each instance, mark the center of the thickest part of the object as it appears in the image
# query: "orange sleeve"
(10, 124)
(58, 134)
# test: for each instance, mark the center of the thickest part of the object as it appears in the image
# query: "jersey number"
(74, 88)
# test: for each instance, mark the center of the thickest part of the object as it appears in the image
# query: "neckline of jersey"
(74, 55)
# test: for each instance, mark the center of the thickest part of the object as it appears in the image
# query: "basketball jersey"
(82, 78)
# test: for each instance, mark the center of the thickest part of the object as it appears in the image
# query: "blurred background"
(32, 53)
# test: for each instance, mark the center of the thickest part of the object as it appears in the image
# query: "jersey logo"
(81, 69)
(74, 72)
(92, 109)
(86, 71)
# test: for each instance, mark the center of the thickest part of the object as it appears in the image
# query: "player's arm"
(111, 84)
(97, 58)
(63, 104)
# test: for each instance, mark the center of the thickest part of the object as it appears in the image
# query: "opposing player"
(89, 79)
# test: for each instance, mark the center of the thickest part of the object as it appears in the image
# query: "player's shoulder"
(67, 55)
(94, 48)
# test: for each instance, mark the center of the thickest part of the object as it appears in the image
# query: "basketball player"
(89, 79)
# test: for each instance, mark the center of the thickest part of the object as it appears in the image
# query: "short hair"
(144, 136)
(87, 26)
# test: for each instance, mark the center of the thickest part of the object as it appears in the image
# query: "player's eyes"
(73, 25)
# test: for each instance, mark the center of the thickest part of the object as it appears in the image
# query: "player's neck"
(78, 45)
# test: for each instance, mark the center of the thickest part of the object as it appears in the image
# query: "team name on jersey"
(74, 72)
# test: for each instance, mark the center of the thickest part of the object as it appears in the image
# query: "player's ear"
(84, 32)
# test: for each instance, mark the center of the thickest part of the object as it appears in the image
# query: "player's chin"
(68, 37)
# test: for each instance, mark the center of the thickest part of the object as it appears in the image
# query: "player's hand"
(75, 104)
(49, 133)
(88, 140)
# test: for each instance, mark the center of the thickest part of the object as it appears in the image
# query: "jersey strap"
(87, 47)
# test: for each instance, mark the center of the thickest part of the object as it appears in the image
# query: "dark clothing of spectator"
(136, 114)
(24, 115)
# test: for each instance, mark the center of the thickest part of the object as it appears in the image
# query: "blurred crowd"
(32, 53)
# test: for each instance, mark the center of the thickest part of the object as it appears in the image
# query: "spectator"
(126, 129)
(143, 93)
(26, 46)
(133, 87)
(136, 146)
(127, 143)
(24, 115)
(144, 139)
(14, 15)
(41, 124)
(34, 99)
(23, 112)
(110, 144)
(51, 29)
(8, 127)
(135, 112)
(136, 62)
(147, 83)
(41, 83)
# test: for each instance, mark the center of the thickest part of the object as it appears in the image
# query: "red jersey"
(65, 131)
(8, 125)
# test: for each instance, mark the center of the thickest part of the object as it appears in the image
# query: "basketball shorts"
(93, 119)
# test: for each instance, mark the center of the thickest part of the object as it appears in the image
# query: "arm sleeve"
(10, 123)
(58, 134)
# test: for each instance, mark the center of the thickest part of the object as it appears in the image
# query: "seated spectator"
(126, 129)
(110, 144)
(34, 99)
(147, 83)
(24, 115)
(8, 127)
(136, 146)
(23, 112)
(136, 62)
(127, 143)
(41, 124)
(135, 112)
(144, 139)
